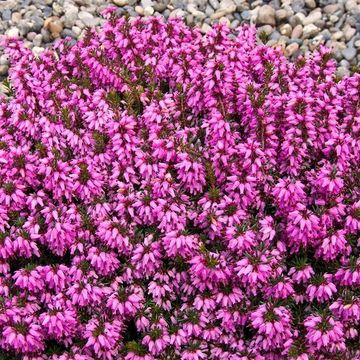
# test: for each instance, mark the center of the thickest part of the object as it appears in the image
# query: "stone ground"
(298, 26)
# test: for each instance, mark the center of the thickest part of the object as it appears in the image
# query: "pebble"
(145, 3)
(24, 27)
(299, 18)
(246, 15)
(342, 71)
(338, 48)
(71, 14)
(295, 25)
(37, 23)
(37, 40)
(298, 5)
(266, 15)
(291, 49)
(310, 30)
(234, 24)
(349, 53)
(311, 4)
(267, 29)
(68, 32)
(316, 42)
(47, 11)
(15, 17)
(140, 10)
(37, 50)
(286, 30)
(314, 16)
(281, 15)
(330, 9)
(13, 32)
(205, 28)
(177, 13)
(4, 69)
(88, 19)
(337, 35)
(55, 28)
(45, 35)
(224, 20)
(344, 63)
(148, 11)
(226, 7)
(194, 11)
(76, 30)
(120, 2)
(4, 60)
(160, 6)
(31, 36)
(350, 5)
(214, 4)
(349, 32)
(326, 34)
(297, 31)
(6, 15)
(274, 36)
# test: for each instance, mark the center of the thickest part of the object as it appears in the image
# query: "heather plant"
(171, 195)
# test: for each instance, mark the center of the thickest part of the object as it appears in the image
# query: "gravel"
(298, 26)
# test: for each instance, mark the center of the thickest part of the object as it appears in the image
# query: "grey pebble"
(209, 11)
(298, 5)
(71, 14)
(349, 53)
(25, 3)
(178, 4)
(274, 35)
(326, 34)
(24, 27)
(295, 25)
(68, 32)
(37, 23)
(161, 6)
(246, 15)
(234, 24)
(6, 15)
(214, 4)
(342, 71)
(344, 63)
(37, 40)
(31, 36)
(47, 11)
(88, 19)
(46, 37)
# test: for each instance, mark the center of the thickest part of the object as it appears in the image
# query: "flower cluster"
(171, 195)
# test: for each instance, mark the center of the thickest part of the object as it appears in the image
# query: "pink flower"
(166, 193)
(302, 274)
(102, 337)
(23, 336)
(273, 326)
(321, 289)
(325, 333)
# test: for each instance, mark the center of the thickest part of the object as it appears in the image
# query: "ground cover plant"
(171, 195)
